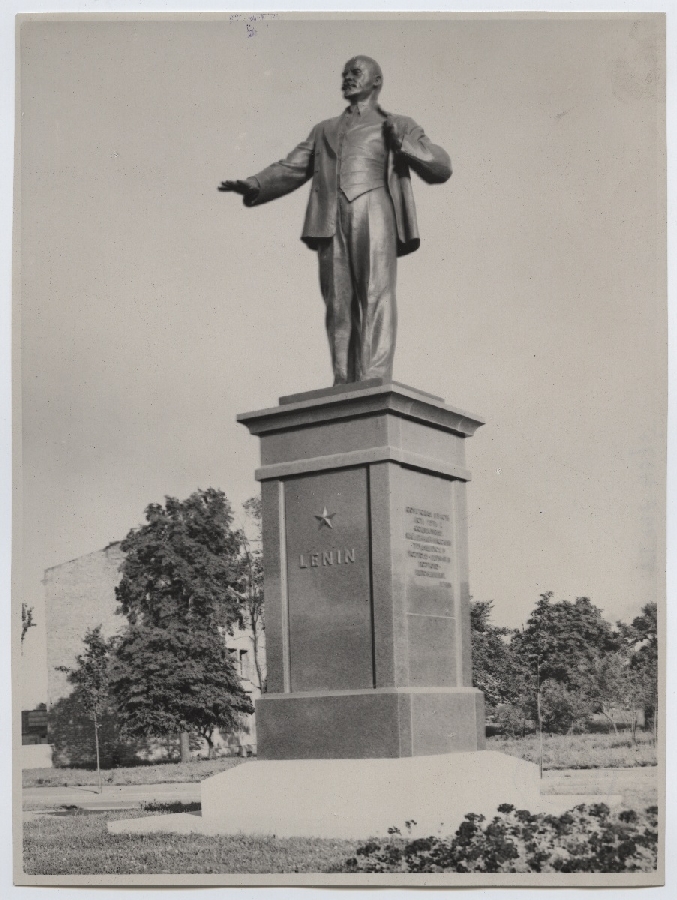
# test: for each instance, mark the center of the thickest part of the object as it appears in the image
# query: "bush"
(72, 737)
(588, 839)
(564, 709)
(511, 719)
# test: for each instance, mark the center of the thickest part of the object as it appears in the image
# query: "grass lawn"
(160, 773)
(581, 751)
(81, 845)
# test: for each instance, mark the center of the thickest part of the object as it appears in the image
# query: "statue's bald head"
(373, 65)
(361, 77)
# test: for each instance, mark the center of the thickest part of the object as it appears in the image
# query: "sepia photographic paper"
(339, 449)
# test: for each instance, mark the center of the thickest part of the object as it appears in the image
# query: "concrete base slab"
(173, 823)
(361, 798)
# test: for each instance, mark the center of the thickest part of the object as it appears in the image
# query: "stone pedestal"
(371, 720)
(366, 576)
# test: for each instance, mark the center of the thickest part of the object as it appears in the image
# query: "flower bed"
(587, 839)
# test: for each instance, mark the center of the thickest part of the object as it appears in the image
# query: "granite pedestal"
(366, 576)
(371, 720)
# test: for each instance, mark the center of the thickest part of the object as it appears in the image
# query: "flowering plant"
(589, 838)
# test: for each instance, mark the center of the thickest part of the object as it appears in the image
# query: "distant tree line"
(188, 579)
(566, 666)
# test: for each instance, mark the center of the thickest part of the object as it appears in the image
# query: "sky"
(154, 309)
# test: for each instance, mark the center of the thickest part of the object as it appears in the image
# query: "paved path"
(637, 786)
(577, 781)
(112, 796)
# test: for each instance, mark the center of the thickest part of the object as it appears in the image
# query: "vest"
(361, 155)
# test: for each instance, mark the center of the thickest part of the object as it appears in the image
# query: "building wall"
(241, 650)
(80, 594)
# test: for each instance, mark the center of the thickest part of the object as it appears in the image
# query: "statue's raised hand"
(237, 187)
(248, 188)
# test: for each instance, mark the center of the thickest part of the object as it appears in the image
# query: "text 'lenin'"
(360, 215)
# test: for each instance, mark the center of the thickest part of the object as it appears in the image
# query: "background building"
(80, 595)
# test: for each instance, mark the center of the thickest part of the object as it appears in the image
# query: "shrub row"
(589, 838)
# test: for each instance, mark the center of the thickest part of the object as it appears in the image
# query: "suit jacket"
(317, 158)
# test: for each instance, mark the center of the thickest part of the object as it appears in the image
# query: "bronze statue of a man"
(360, 216)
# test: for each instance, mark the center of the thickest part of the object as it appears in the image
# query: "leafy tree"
(181, 593)
(563, 643)
(562, 708)
(565, 665)
(641, 642)
(612, 683)
(73, 738)
(183, 564)
(495, 669)
(252, 587)
(91, 680)
(26, 620)
(565, 639)
(176, 678)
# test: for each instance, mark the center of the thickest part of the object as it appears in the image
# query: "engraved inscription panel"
(330, 634)
(429, 578)
(429, 542)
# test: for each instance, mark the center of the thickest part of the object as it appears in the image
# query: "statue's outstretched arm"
(284, 176)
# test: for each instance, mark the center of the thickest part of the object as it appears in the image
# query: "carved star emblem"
(325, 518)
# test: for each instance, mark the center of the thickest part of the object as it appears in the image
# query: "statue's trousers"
(358, 267)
